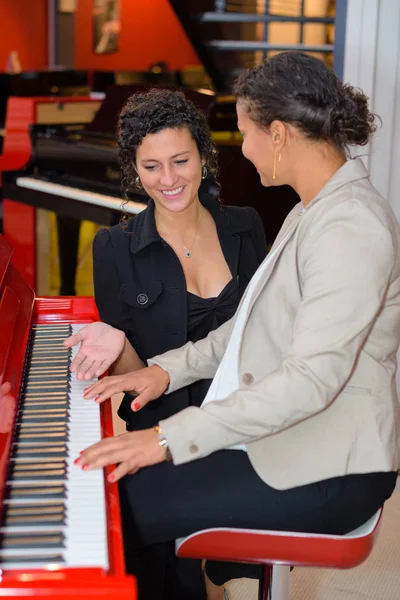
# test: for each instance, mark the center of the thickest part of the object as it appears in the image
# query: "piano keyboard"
(66, 191)
(55, 513)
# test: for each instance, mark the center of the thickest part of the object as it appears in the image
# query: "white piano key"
(85, 489)
(81, 195)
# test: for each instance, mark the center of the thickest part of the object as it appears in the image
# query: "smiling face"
(169, 166)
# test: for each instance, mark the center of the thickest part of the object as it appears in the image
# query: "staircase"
(231, 35)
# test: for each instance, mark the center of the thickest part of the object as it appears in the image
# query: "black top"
(204, 315)
(140, 288)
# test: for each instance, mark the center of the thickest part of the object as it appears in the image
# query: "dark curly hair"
(153, 111)
(299, 89)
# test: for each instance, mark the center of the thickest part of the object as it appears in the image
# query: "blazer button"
(193, 449)
(142, 299)
(247, 378)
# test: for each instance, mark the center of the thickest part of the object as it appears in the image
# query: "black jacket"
(140, 286)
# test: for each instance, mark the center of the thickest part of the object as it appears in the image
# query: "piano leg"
(68, 243)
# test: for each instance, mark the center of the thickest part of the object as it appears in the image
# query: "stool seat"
(282, 547)
(273, 549)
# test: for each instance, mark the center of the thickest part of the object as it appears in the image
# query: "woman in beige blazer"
(299, 430)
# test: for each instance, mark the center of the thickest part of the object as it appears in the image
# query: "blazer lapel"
(270, 261)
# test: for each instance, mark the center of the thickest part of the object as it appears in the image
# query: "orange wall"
(23, 27)
(150, 32)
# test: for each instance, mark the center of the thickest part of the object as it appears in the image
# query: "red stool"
(278, 550)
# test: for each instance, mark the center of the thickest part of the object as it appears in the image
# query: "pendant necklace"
(188, 250)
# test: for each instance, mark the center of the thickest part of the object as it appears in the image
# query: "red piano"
(60, 530)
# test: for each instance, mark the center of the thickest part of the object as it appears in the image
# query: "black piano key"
(40, 387)
(60, 423)
(47, 370)
(39, 558)
(39, 429)
(53, 362)
(43, 418)
(31, 452)
(38, 443)
(42, 328)
(29, 509)
(40, 460)
(43, 343)
(53, 475)
(37, 437)
(37, 395)
(49, 411)
(51, 384)
(50, 520)
(53, 374)
(37, 333)
(34, 492)
(33, 540)
(53, 402)
(54, 339)
(38, 382)
(36, 467)
(47, 378)
(48, 353)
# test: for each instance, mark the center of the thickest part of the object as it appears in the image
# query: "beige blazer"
(317, 362)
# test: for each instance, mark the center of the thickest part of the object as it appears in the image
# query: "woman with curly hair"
(300, 428)
(174, 272)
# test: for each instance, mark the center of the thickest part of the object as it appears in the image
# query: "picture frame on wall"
(106, 26)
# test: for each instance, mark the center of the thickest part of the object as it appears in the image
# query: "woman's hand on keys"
(147, 384)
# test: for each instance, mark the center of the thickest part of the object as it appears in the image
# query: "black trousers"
(164, 502)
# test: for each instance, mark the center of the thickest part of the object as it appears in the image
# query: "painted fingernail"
(85, 467)
(81, 452)
(76, 461)
(136, 406)
(111, 477)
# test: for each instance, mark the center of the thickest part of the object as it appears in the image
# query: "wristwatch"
(162, 440)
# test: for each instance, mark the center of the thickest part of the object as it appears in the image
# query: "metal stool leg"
(280, 582)
(264, 587)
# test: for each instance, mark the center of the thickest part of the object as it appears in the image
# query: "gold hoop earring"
(138, 183)
(204, 172)
(274, 165)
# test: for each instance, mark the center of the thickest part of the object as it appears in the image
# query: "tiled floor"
(377, 579)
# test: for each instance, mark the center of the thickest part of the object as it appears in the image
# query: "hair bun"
(351, 121)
